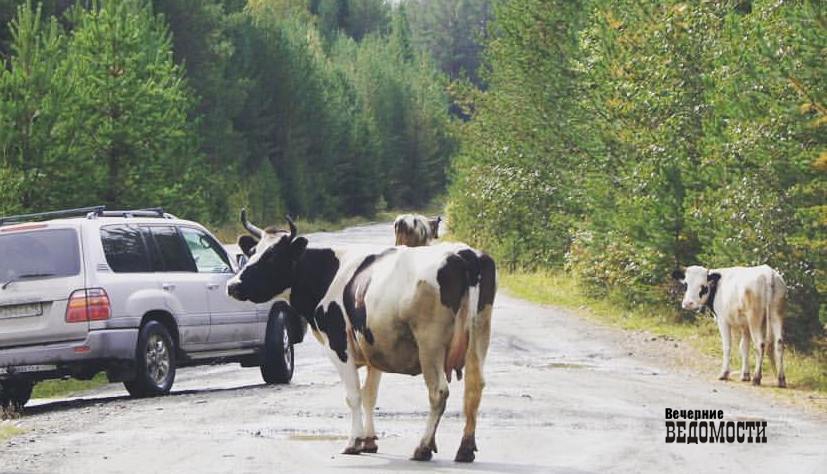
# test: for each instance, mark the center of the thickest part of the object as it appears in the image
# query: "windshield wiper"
(24, 276)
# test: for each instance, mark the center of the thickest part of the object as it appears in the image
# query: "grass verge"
(9, 430)
(61, 388)
(803, 371)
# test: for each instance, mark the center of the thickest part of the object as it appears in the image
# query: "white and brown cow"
(414, 230)
(405, 310)
(748, 299)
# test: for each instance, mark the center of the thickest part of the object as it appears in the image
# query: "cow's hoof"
(724, 376)
(465, 453)
(756, 380)
(782, 382)
(370, 446)
(745, 378)
(356, 448)
(422, 453)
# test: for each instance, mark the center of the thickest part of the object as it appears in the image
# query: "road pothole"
(567, 365)
(316, 437)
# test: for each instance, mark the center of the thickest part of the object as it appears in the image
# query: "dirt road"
(563, 395)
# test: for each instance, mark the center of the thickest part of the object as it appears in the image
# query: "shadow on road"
(399, 463)
(76, 403)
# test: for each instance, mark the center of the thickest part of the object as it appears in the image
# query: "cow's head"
(270, 269)
(698, 283)
(434, 226)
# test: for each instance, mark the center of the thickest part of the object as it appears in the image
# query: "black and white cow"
(748, 299)
(406, 310)
(415, 230)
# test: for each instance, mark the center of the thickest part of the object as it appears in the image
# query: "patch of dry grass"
(9, 429)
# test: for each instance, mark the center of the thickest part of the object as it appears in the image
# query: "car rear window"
(39, 254)
(124, 249)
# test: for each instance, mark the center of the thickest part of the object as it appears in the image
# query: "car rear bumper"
(106, 344)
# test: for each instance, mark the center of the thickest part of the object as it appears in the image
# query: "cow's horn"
(293, 230)
(250, 227)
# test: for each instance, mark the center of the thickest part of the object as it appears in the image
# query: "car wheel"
(154, 362)
(14, 394)
(277, 360)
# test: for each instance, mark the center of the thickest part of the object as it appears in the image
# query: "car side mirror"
(241, 260)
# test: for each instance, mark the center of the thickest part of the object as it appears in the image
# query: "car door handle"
(167, 286)
(212, 286)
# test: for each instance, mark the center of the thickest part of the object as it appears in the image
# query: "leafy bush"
(622, 140)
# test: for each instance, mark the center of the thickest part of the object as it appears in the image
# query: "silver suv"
(133, 293)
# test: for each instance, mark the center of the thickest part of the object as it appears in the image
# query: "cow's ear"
(297, 246)
(247, 244)
(713, 277)
(678, 275)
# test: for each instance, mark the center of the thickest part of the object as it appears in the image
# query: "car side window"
(124, 249)
(173, 252)
(208, 255)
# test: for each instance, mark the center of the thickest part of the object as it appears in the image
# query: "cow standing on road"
(402, 310)
(414, 230)
(747, 298)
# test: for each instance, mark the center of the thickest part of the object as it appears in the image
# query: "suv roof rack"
(148, 212)
(82, 211)
(88, 212)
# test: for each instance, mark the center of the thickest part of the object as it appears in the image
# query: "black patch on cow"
(488, 281)
(269, 275)
(713, 279)
(294, 322)
(453, 282)
(355, 291)
(247, 244)
(472, 265)
(678, 275)
(332, 323)
(314, 273)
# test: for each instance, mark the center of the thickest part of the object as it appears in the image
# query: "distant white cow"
(414, 230)
(747, 298)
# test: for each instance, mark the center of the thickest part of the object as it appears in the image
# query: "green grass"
(61, 388)
(8, 430)
(803, 371)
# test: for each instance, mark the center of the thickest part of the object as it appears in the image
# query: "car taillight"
(91, 304)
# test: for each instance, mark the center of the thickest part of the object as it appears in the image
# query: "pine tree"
(31, 96)
(127, 121)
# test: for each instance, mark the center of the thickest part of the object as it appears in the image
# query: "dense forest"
(323, 108)
(619, 140)
(611, 140)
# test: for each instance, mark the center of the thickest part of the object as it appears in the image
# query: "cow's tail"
(774, 302)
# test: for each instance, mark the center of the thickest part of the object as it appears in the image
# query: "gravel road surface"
(564, 395)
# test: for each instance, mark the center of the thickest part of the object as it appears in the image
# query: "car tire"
(14, 394)
(277, 361)
(154, 362)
